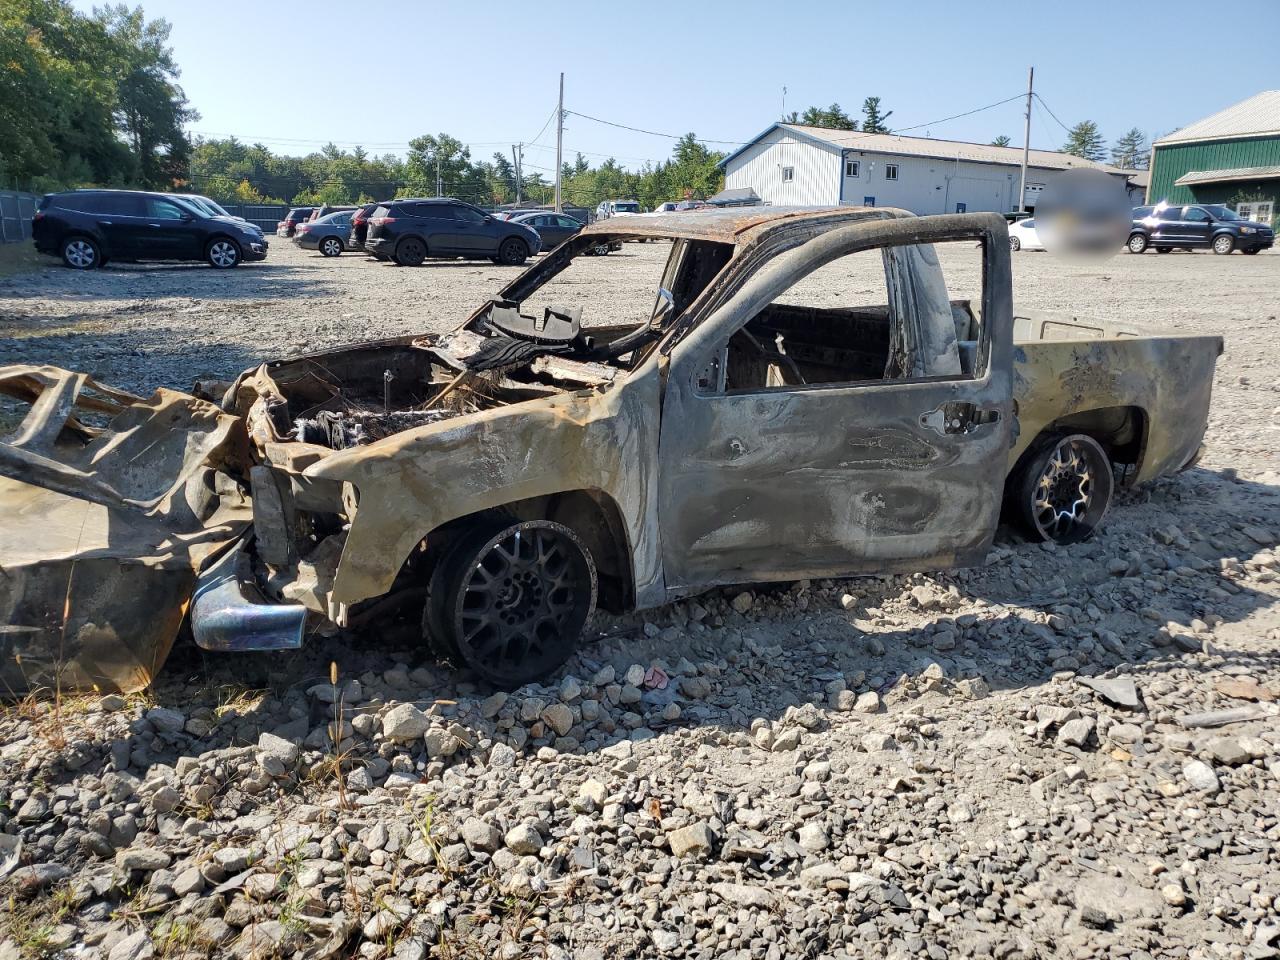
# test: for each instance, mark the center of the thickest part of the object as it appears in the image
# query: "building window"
(868, 201)
(891, 171)
(1259, 212)
(851, 168)
(788, 174)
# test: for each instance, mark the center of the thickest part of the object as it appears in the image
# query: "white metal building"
(816, 166)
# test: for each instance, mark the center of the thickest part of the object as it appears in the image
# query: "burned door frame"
(787, 483)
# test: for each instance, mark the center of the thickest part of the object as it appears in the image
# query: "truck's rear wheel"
(509, 599)
(1063, 488)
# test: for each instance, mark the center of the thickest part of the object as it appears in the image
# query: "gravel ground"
(1006, 762)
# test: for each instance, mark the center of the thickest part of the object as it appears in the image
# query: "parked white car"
(1023, 236)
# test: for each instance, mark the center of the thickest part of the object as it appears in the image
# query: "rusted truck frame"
(520, 469)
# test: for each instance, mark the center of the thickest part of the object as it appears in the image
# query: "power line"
(550, 117)
(1052, 114)
(653, 133)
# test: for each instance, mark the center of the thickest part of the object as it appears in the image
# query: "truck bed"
(1076, 371)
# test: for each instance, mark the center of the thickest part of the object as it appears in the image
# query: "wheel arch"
(593, 515)
(1121, 430)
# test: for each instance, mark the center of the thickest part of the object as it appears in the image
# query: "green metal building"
(1231, 157)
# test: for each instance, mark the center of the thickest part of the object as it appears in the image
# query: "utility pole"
(560, 145)
(439, 192)
(517, 149)
(1026, 142)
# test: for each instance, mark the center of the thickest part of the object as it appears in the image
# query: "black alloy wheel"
(510, 600)
(513, 252)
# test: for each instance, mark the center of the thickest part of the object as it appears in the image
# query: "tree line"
(88, 98)
(230, 170)
(1131, 152)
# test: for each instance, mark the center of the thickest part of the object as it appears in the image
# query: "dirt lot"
(892, 767)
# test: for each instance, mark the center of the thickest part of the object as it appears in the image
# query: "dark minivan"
(409, 231)
(89, 227)
(1197, 225)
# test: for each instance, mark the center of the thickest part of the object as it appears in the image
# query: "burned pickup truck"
(807, 397)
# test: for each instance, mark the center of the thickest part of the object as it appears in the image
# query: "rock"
(743, 601)
(1201, 776)
(188, 881)
(1076, 732)
(848, 601)
(1120, 691)
(814, 837)
(695, 840)
(404, 723)
(788, 739)
(491, 706)
(136, 946)
(441, 744)
(1234, 751)
(559, 718)
(868, 702)
(665, 941)
(386, 921)
(502, 757)
(876, 742)
(142, 858)
(594, 792)
(111, 703)
(481, 835)
(276, 755)
(745, 895)
(39, 876)
(524, 840)
(33, 809)
(634, 675)
(570, 689)
(165, 720)
(165, 800)
(845, 700)
(232, 859)
(1244, 688)
(1174, 894)
(973, 688)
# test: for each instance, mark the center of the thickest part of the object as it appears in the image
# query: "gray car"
(328, 234)
(556, 228)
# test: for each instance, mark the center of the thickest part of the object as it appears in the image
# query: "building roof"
(1223, 176)
(1257, 116)
(734, 224)
(929, 147)
(1139, 178)
(740, 195)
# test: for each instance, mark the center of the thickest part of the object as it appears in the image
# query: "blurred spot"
(1083, 215)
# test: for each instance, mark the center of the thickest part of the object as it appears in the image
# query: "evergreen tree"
(1000, 141)
(1084, 140)
(873, 120)
(1131, 152)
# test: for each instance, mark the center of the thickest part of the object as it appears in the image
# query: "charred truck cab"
(498, 482)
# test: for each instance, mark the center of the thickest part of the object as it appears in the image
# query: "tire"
(410, 252)
(1062, 489)
(380, 257)
(1247, 253)
(81, 253)
(1137, 243)
(331, 247)
(1164, 249)
(1223, 244)
(512, 252)
(601, 251)
(509, 599)
(222, 253)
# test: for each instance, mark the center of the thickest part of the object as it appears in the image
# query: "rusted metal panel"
(105, 528)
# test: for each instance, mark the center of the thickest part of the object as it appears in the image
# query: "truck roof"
(734, 225)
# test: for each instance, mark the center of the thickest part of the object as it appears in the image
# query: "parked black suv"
(408, 231)
(89, 227)
(1197, 225)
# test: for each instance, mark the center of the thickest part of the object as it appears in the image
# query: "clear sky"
(296, 74)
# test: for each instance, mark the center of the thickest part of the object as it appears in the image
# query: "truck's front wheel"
(1063, 488)
(509, 599)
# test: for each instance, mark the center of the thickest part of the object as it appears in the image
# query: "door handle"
(958, 417)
